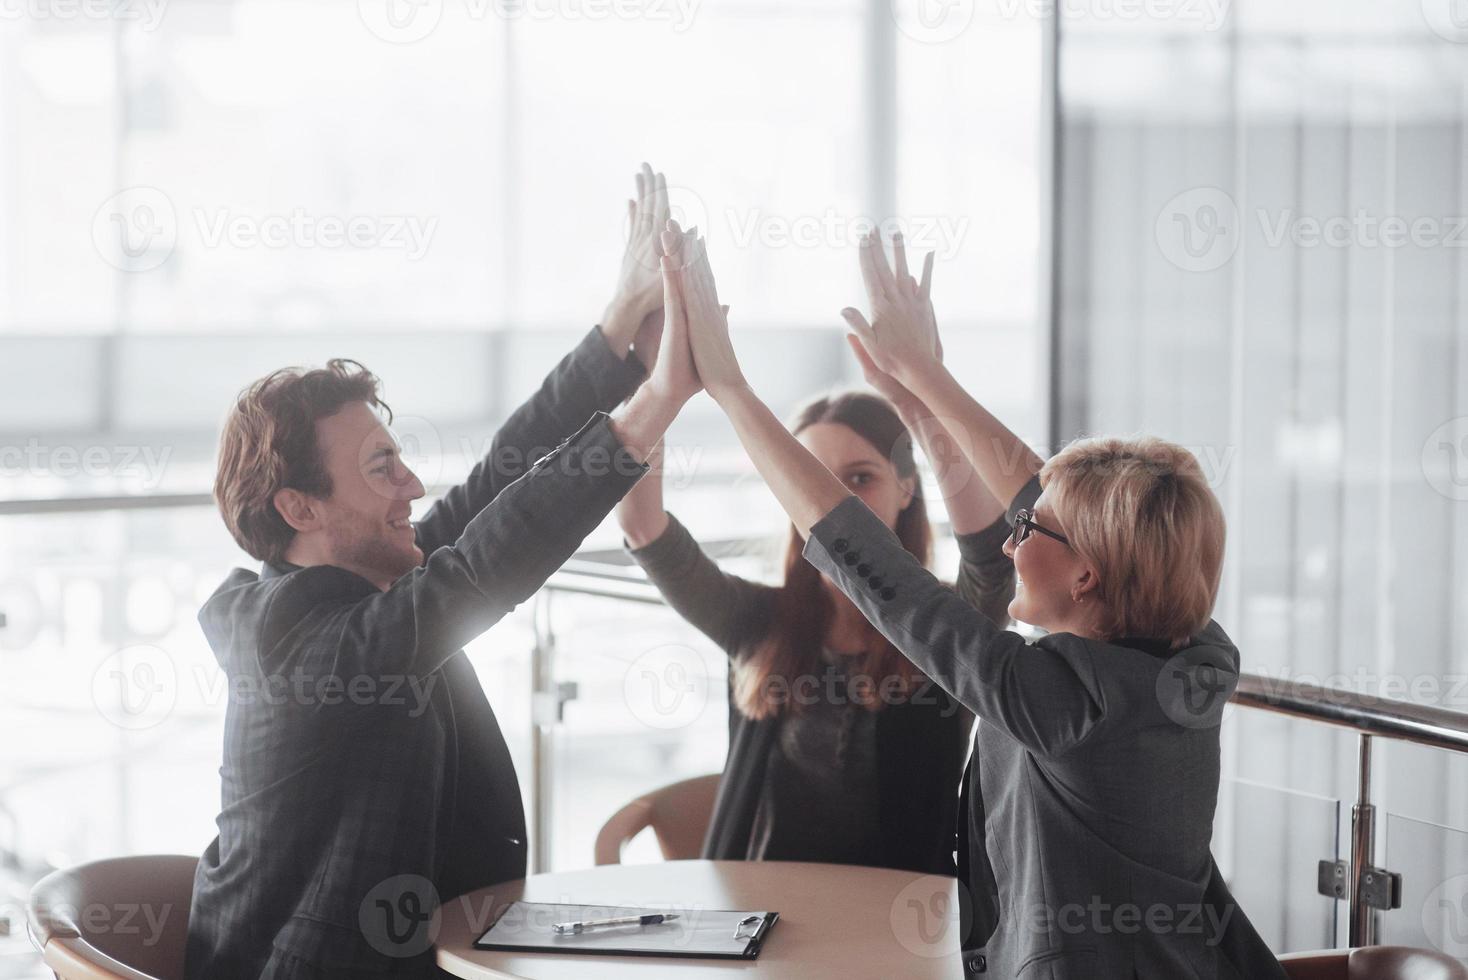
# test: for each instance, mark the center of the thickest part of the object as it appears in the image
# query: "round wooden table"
(836, 921)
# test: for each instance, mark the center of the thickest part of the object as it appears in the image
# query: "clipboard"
(525, 927)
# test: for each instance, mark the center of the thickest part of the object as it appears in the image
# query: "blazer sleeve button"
(889, 592)
(840, 545)
(863, 569)
(875, 581)
(852, 557)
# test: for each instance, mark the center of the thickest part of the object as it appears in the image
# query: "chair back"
(678, 814)
(1373, 963)
(116, 919)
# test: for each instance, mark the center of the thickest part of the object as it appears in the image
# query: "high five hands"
(634, 317)
(691, 301)
(901, 341)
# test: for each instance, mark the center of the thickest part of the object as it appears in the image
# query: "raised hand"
(635, 315)
(708, 321)
(674, 375)
(902, 337)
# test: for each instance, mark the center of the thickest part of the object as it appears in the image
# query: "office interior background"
(1237, 224)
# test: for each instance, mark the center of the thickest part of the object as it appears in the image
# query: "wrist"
(619, 325)
(640, 424)
(917, 375)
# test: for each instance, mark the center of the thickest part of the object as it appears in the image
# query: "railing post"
(542, 682)
(1362, 930)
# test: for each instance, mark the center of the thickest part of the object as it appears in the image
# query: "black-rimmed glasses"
(1024, 526)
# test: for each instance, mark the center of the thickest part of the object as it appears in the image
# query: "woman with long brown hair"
(840, 750)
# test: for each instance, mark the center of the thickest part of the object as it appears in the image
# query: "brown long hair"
(803, 606)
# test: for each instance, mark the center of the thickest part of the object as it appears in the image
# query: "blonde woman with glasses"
(1097, 754)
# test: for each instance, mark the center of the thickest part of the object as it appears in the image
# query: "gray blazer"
(365, 776)
(1099, 769)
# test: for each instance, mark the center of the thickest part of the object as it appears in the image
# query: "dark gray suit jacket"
(1099, 769)
(365, 776)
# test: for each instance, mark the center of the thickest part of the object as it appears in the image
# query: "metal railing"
(1368, 888)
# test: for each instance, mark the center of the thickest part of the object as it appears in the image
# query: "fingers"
(925, 288)
(874, 271)
(675, 316)
(899, 257)
(859, 326)
(660, 202)
(868, 366)
(647, 197)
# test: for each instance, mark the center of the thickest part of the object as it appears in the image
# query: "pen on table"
(572, 928)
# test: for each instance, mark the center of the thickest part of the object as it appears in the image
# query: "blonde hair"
(1142, 513)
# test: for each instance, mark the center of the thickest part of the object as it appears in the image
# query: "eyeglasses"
(1024, 526)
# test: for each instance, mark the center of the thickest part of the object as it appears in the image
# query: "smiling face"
(1049, 575)
(363, 525)
(860, 468)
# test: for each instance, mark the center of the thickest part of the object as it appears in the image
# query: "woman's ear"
(1086, 586)
(909, 491)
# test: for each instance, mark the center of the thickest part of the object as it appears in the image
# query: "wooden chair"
(1373, 963)
(118, 919)
(678, 815)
